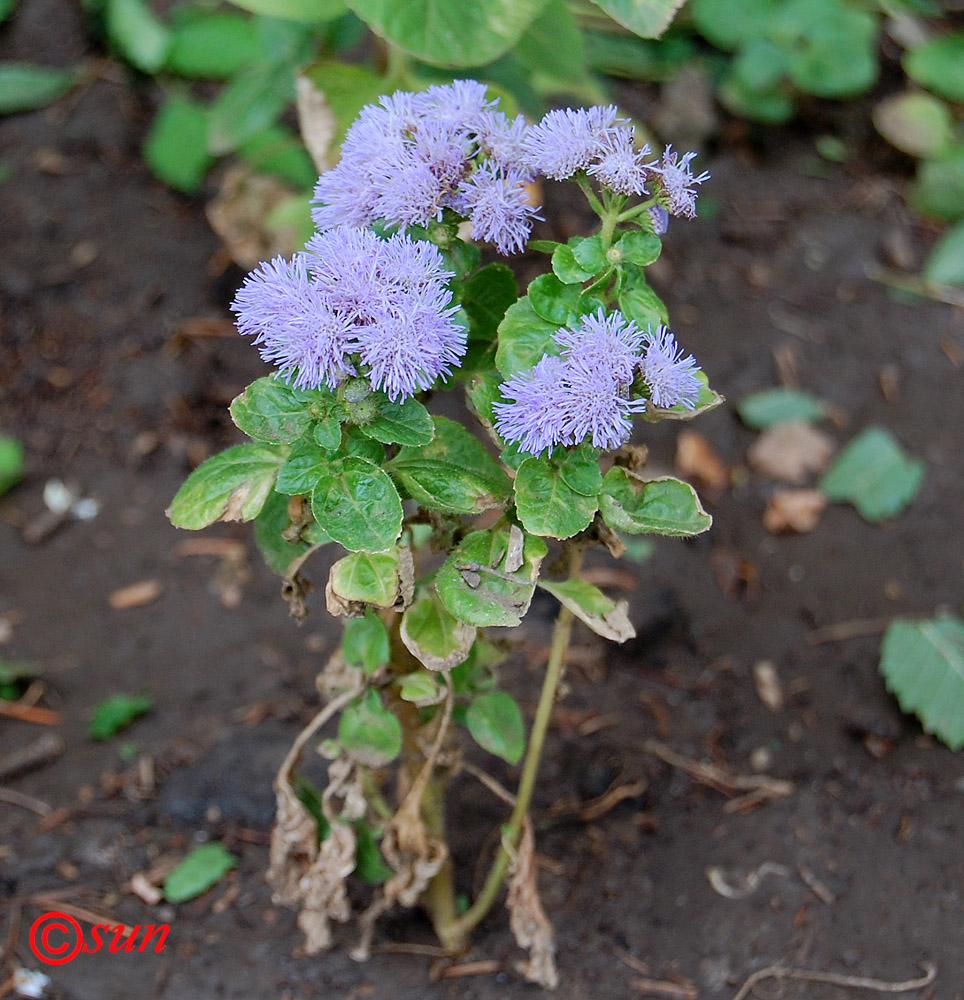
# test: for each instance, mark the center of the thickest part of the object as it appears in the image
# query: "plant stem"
(511, 832)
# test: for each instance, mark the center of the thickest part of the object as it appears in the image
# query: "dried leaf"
(790, 452)
(767, 685)
(316, 122)
(513, 555)
(696, 459)
(527, 918)
(136, 595)
(794, 510)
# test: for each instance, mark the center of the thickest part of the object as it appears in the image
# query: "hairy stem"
(460, 928)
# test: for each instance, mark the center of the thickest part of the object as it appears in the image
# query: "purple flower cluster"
(411, 156)
(353, 304)
(587, 392)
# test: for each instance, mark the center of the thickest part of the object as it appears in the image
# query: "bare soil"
(106, 378)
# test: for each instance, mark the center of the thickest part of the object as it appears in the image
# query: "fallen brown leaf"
(696, 459)
(790, 452)
(794, 510)
(136, 595)
(767, 685)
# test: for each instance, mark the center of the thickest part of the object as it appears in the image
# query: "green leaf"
(176, 145)
(945, 266)
(213, 46)
(365, 578)
(269, 527)
(706, 400)
(454, 474)
(248, 104)
(139, 36)
(116, 713)
(278, 151)
(421, 688)
(923, 666)
(579, 469)
(433, 636)
(370, 866)
(590, 254)
(359, 446)
(770, 407)
(938, 189)
(486, 296)
(939, 65)
(358, 505)
(918, 124)
(441, 33)
(306, 465)
(370, 733)
(231, 486)
(24, 86)
(590, 605)
(727, 23)
(6, 9)
(759, 66)
(11, 463)
(640, 248)
(566, 268)
(405, 423)
(307, 11)
(553, 300)
(772, 106)
(658, 507)
(637, 301)
(547, 505)
(495, 721)
(203, 868)
(365, 641)
(646, 18)
(271, 410)
(551, 50)
(347, 89)
(475, 584)
(874, 475)
(638, 58)
(524, 338)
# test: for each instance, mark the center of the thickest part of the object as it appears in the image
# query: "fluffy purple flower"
(459, 103)
(503, 140)
(497, 203)
(619, 165)
(670, 376)
(595, 406)
(608, 344)
(533, 415)
(677, 183)
(295, 323)
(569, 139)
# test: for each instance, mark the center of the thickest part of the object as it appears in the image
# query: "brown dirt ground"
(102, 267)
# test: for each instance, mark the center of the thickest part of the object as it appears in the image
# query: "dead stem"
(837, 979)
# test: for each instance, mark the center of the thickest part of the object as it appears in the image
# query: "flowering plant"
(388, 302)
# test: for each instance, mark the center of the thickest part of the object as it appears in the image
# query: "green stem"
(587, 190)
(512, 830)
(631, 213)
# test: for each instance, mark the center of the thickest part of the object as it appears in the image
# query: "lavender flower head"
(355, 304)
(532, 417)
(607, 343)
(619, 165)
(569, 139)
(670, 376)
(677, 183)
(497, 203)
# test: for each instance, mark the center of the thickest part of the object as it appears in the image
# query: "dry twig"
(28, 802)
(664, 988)
(841, 631)
(838, 979)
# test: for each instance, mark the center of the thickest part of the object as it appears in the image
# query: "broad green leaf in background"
(24, 86)
(367, 578)
(432, 635)
(590, 605)
(945, 266)
(271, 410)
(874, 475)
(637, 301)
(230, 486)
(495, 721)
(453, 35)
(213, 46)
(486, 296)
(524, 337)
(938, 189)
(772, 106)
(269, 526)
(923, 666)
(727, 23)
(658, 507)
(6, 8)
(939, 65)
(116, 713)
(916, 123)
(365, 642)
(369, 732)
(547, 505)
(646, 18)
(552, 51)
(249, 103)
(407, 422)
(278, 151)
(203, 868)
(11, 463)
(637, 58)
(138, 34)
(346, 89)
(475, 584)
(358, 505)
(176, 146)
(308, 11)
(770, 407)
(758, 66)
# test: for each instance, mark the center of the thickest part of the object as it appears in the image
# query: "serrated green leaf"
(770, 407)
(486, 296)
(938, 64)
(453, 474)
(213, 46)
(176, 146)
(495, 721)
(365, 641)
(553, 300)
(637, 301)
(945, 266)
(547, 506)
(433, 636)
(370, 733)
(659, 507)
(470, 33)
(249, 103)
(271, 410)
(11, 463)
(358, 505)
(646, 18)
(359, 446)
(366, 578)
(116, 713)
(231, 486)
(141, 38)
(203, 868)
(306, 465)
(640, 248)
(306, 11)
(269, 526)
(579, 468)
(566, 268)
(923, 666)
(874, 475)
(524, 338)
(25, 86)
(406, 423)
(590, 605)
(475, 586)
